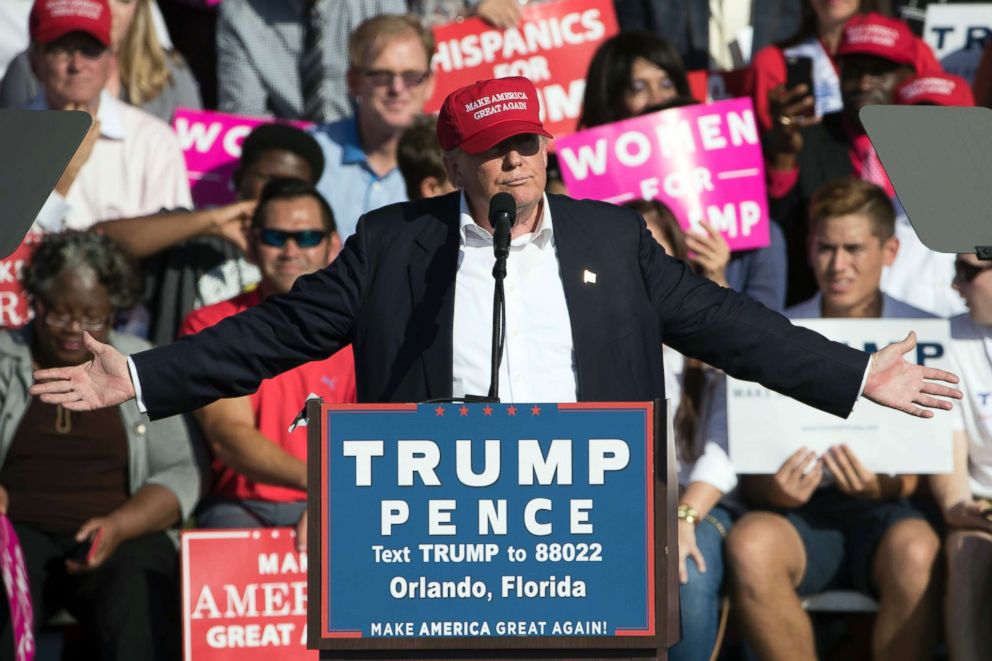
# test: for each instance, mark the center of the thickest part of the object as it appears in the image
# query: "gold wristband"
(688, 514)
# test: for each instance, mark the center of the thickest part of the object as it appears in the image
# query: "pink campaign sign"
(703, 161)
(211, 144)
(15, 581)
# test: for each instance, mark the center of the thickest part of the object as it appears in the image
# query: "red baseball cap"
(874, 34)
(479, 116)
(51, 19)
(937, 89)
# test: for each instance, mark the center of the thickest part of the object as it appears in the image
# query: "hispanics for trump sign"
(211, 144)
(244, 595)
(552, 46)
(484, 521)
(704, 161)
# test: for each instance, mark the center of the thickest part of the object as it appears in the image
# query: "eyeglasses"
(303, 238)
(64, 320)
(966, 272)
(65, 52)
(385, 77)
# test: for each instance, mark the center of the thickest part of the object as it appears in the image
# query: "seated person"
(91, 495)
(964, 495)
(421, 161)
(196, 258)
(260, 467)
(706, 477)
(830, 522)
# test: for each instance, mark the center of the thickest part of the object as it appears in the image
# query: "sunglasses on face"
(303, 238)
(385, 77)
(966, 272)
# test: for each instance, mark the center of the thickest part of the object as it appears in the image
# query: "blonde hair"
(142, 60)
(376, 31)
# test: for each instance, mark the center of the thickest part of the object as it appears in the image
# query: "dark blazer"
(391, 293)
(686, 24)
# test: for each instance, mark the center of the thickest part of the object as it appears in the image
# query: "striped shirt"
(259, 46)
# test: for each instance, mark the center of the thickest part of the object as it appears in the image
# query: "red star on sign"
(488, 410)
(439, 411)
(511, 410)
(463, 411)
(535, 410)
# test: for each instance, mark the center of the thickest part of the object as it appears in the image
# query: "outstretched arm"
(101, 382)
(897, 383)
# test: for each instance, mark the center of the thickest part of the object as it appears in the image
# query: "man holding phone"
(875, 55)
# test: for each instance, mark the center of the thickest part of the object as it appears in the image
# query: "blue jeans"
(700, 597)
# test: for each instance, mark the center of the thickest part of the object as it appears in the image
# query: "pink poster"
(211, 144)
(703, 161)
(15, 581)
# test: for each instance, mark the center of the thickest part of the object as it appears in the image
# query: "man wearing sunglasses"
(389, 80)
(260, 476)
(592, 298)
(965, 494)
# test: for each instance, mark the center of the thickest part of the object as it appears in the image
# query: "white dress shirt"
(539, 358)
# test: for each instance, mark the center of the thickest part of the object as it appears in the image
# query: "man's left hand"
(851, 476)
(905, 386)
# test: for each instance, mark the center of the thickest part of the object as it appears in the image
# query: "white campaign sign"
(765, 427)
(957, 34)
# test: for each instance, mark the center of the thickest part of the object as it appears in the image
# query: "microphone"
(502, 213)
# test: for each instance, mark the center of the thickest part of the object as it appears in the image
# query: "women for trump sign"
(703, 161)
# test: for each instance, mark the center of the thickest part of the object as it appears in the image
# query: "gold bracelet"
(688, 514)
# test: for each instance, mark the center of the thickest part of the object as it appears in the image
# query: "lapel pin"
(588, 277)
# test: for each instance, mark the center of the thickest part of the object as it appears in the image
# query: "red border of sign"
(645, 407)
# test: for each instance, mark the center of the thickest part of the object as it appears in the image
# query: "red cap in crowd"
(51, 19)
(479, 116)
(874, 34)
(937, 89)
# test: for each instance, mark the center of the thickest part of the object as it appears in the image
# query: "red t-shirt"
(277, 402)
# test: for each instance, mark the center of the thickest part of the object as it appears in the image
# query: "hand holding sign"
(905, 386)
(851, 476)
(500, 13)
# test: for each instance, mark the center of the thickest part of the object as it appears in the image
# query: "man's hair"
(608, 78)
(657, 213)
(86, 252)
(419, 155)
(850, 195)
(284, 188)
(378, 30)
(280, 137)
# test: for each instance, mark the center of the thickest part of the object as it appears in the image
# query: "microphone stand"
(499, 324)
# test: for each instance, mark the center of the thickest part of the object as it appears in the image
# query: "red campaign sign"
(14, 310)
(552, 46)
(244, 595)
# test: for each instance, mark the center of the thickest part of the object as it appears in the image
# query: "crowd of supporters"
(120, 251)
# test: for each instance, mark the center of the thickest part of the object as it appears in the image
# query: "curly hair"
(57, 253)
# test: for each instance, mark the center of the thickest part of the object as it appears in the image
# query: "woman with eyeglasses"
(93, 495)
(965, 495)
(630, 72)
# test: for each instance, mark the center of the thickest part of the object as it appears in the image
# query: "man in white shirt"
(599, 321)
(849, 528)
(964, 495)
(131, 163)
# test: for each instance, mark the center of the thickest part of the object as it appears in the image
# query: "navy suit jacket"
(391, 294)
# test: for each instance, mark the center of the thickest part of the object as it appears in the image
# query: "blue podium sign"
(468, 521)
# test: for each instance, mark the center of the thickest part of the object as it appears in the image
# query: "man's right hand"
(795, 481)
(788, 109)
(101, 382)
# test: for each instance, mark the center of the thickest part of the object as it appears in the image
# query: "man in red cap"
(876, 54)
(130, 163)
(938, 89)
(590, 298)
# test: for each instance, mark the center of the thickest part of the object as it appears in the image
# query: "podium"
(470, 531)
